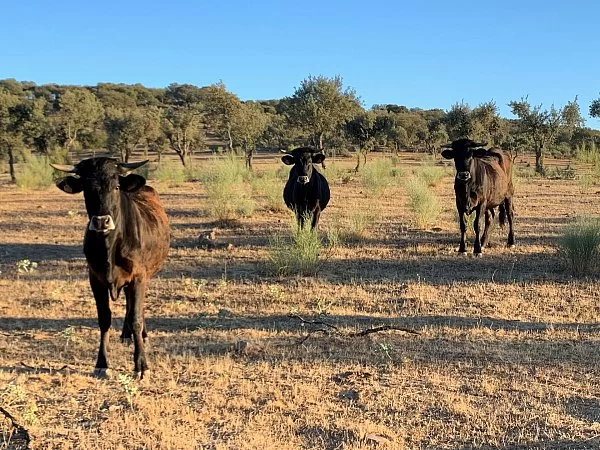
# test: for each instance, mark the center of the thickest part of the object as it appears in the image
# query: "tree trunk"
(229, 138)
(249, 155)
(539, 160)
(11, 165)
(182, 156)
(357, 168)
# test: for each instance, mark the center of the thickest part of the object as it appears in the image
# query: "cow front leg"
(508, 205)
(463, 232)
(100, 292)
(136, 294)
(479, 213)
(487, 228)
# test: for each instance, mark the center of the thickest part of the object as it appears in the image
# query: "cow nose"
(102, 223)
(303, 180)
(463, 176)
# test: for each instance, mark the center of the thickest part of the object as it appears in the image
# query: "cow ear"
(131, 183)
(448, 154)
(318, 158)
(70, 185)
(479, 153)
(288, 160)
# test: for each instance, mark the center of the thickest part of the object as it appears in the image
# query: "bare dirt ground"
(507, 355)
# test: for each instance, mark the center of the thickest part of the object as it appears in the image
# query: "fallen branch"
(383, 328)
(313, 322)
(45, 369)
(365, 332)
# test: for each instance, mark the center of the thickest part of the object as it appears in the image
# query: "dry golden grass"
(508, 354)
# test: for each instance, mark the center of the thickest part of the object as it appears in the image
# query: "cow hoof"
(511, 245)
(102, 374)
(462, 252)
(478, 255)
(140, 375)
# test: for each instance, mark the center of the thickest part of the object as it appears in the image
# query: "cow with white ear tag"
(126, 242)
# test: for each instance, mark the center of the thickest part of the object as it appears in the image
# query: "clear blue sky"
(419, 54)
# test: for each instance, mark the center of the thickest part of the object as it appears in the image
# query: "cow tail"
(502, 215)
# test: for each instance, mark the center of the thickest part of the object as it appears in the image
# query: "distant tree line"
(55, 120)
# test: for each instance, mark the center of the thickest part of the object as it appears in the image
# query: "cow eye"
(117, 188)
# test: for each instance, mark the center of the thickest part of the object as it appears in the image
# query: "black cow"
(126, 242)
(483, 181)
(306, 191)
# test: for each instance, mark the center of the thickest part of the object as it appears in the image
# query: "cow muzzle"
(102, 224)
(463, 176)
(303, 180)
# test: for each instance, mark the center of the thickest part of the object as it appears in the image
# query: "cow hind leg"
(104, 320)
(508, 206)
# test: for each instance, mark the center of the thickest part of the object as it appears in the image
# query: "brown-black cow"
(483, 181)
(126, 242)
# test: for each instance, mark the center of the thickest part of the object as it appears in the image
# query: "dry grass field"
(507, 354)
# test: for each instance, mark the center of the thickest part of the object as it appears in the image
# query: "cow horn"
(64, 168)
(284, 151)
(127, 167)
(477, 144)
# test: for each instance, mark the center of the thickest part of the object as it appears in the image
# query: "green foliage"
(588, 152)
(378, 174)
(35, 173)
(423, 203)
(320, 105)
(168, 171)
(298, 254)
(270, 190)
(228, 196)
(580, 245)
(430, 175)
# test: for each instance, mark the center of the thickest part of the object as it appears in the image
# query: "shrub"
(298, 254)
(431, 175)
(588, 153)
(35, 173)
(228, 196)
(423, 203)
(169, 171)
(271, 192)
(580, 245)
(376, 175)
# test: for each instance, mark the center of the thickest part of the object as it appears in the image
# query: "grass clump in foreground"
(36, 173)
(298, 254)
(423, 203)
(228, 194)
(580, 245)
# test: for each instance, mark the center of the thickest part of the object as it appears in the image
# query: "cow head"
(303, 159)
(102, 181)
(463, 151)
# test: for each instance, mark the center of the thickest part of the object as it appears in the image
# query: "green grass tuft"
(35, 173)
(580, 245)
(423, 203)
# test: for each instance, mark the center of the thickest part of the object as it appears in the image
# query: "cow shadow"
(10, 253)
